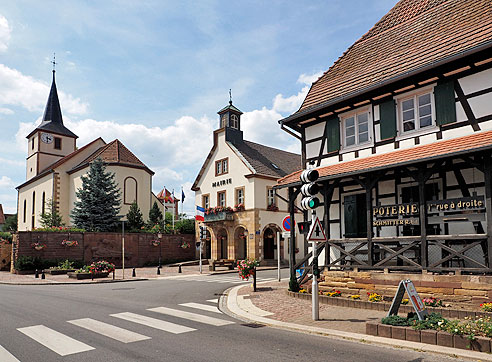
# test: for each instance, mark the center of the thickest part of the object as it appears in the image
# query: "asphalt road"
(32, 318)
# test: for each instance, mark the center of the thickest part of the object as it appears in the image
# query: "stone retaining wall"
(5, 255)
(96, 246)
(452, 288)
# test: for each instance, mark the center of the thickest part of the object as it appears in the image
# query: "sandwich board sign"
(407, 286)
(316, 233)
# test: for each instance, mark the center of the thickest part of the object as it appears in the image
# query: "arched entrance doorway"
(241, 241)
(222, 243)
(269, 243)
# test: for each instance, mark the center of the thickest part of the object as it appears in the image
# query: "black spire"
(52, 118)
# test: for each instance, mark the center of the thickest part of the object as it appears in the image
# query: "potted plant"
(185, 245)
(38, 246)
(62, 268)
(155, 242)
(98, 269)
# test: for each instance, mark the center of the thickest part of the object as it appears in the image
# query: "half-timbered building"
(400, 130)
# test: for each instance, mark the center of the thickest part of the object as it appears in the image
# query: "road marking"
(56, 341)
(208, 308)
(153, 323)
(6, 356)
(213, 300)
(108, 330)
(191, 316)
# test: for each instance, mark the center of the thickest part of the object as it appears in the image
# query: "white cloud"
(31, 94)
(309, 79)
(4, 33)
(6, 182)
(6, 111)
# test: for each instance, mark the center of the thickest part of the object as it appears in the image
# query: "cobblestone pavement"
(272, 297)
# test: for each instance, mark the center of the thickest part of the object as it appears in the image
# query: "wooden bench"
(230, 263)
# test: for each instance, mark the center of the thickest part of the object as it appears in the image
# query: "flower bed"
(87, 275)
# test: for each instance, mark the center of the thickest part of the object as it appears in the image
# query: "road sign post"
(316, 234)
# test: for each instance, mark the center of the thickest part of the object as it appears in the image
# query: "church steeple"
(230, 121)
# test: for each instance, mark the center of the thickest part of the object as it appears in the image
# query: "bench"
(230, 263)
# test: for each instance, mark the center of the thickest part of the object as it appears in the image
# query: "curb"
(228, 304)
(235, 270)
(76, 283)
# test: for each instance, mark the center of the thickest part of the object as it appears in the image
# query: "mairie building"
(55, 165)
(243, 214)
(400, 131)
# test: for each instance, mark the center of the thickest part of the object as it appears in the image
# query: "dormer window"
(234, 121)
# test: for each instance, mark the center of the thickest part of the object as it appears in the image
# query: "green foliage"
(51, 217)
(6, 236)
(185, 226)
(64, 265)
(25, 262)
(294, 284)
(10, 223)
(155, 215)
(135, 218)
(395, 320)
(98, 201)
(431, 321)
(58, 229)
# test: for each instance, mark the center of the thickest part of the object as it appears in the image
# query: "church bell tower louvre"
(51, 140)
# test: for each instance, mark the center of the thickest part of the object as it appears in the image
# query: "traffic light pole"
(314, 291)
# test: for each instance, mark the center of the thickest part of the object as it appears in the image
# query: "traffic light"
(316, 271)
(203, 232)
(303, 227)
(309, 189)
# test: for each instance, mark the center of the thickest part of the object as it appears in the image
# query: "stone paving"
(272, 297)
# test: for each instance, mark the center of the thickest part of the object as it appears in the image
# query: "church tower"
(230, 122)
(51, 140)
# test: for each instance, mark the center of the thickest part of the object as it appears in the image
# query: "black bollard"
(42, 275)
(36, 274)
(179, 268)
(92, 276)
(113, 274)
(133, 273)
(158, 271)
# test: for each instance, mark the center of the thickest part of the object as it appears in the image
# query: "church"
(55, 165)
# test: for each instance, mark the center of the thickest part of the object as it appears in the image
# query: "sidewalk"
(140, 274)
(271, 306)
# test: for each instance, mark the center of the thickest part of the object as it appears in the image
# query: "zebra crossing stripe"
(153, 323)
(56, 341)
(191, 316)
(108, 330)
(6, 356)
(208, 308)
(213, 300)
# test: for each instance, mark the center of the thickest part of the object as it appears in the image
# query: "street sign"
(418, 306)
(286, 224)
(316, 233)
(286, 234)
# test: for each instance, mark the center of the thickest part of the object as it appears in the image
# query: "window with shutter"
(445, 102)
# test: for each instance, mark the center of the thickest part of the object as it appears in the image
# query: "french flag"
(200, 213)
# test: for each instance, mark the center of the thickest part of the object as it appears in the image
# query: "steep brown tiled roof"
(436, 150)
(413, 35)
(114, 153)
(268, 161)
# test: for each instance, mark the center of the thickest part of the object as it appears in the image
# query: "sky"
(154, 73)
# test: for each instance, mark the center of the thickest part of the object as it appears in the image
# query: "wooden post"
(327, 196)
(423, 219)
(292, 239)
(488, 205)
(370, 247)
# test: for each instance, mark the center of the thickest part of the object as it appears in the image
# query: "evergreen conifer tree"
(135, 218)
(98, 201)
(51, 217)
(155, 215)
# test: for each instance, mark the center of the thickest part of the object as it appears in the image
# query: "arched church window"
(130, 190)
(43, 200)
(25, 211)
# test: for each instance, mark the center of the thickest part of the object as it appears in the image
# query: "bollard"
(36, 274)
(42, 275)
(254, 279)
(158, 271)
(133, 273)
(92, 276)
(179, 268)
(113, 274)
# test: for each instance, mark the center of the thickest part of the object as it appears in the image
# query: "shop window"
(58, 143)
(221, 198)
(355, 216)
(415, 112)
(356, 128)
(221, 167)
(205, 201)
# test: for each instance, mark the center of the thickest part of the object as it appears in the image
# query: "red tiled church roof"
(436, 150)
(412, 35)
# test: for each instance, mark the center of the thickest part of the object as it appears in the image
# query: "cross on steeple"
(230, 96)
(54, 62)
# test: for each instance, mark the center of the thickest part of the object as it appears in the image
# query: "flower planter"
(81, 276)
(39, 247)
(24, 272)
(58, 271)
(429, 336)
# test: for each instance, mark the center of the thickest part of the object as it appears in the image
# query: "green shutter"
(387, 119)
(333, 134)
(445, 102)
